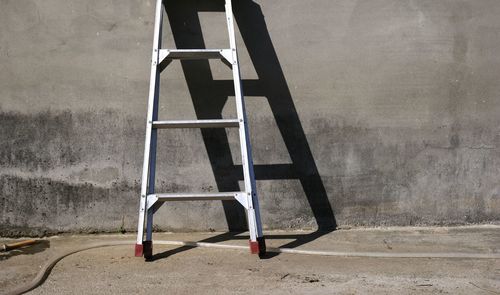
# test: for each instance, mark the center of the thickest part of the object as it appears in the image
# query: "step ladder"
(151, 201)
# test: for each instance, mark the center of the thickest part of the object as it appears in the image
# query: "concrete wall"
(367, 112)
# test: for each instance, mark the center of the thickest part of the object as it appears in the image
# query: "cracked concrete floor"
(183, 270)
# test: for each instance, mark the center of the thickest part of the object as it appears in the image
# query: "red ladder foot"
(258, 247)
(138, 250)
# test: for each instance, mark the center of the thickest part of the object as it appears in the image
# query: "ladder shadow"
(209, 97)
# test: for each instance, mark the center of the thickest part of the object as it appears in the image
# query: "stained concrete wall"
(367, 112)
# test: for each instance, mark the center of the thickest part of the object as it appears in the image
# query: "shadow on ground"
(38, 247)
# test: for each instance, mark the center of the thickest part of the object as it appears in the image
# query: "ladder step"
(192, 53)
(215, 123)
(197, 196)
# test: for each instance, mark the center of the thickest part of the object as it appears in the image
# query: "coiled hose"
(45, 270)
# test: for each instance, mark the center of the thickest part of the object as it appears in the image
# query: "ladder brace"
(167, 55)
(241, 197)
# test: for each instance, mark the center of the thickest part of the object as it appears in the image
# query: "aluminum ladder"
(150, 200)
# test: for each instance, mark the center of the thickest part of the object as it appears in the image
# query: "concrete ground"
(182, 270)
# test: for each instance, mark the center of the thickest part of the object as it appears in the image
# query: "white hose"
(341, 254)
(45, 270)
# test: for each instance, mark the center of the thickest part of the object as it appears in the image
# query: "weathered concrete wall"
(367, 112)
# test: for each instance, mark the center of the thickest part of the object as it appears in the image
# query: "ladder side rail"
(255, 227)
(153, 98)
(154, 141)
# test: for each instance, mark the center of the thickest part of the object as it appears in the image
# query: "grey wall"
(368, 112)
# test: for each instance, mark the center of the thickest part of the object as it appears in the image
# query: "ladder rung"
(215, 123)
(192, 53)
(197, 196)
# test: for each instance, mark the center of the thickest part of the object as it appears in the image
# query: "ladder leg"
(140, 228)
(148, 242)
(257, 242)
(150, 142)
(261, 243)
